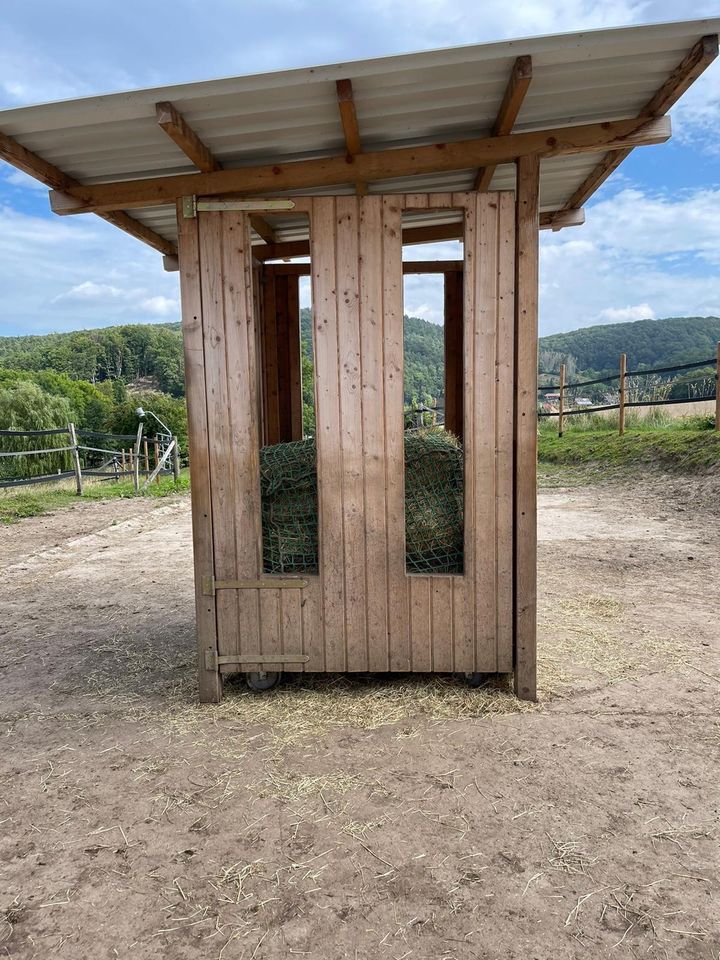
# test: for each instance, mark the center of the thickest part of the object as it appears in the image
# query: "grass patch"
(18, 504)
(675, 449)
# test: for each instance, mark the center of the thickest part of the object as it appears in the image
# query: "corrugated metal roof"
(405, 100)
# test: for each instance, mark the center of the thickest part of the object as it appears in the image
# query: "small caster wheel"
(476, 679)
(262, 680)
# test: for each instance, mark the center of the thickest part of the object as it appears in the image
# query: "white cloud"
(65, 274)
(638, 255)
(161, 306)
(89, 290)
(642, 311)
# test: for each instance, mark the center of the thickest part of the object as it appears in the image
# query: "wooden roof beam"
(14, 153)
(515, 91)
(181, 133)
(351, 129)
(380, 165)
(682, 77)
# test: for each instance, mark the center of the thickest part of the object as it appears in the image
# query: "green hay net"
(433, 504)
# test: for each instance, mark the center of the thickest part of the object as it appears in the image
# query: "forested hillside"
(92, 369)
(647, 343)
(129, 353)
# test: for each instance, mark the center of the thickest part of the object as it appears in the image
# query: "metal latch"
(191, 205)
(213, 660)
(210, 585)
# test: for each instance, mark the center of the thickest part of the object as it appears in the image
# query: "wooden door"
(362, 611)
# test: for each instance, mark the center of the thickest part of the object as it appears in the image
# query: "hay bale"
(433, 504)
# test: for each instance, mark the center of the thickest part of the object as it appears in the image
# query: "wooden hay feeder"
(296, 138)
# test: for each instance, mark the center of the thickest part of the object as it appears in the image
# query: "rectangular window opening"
(433, 317)
(288, 456)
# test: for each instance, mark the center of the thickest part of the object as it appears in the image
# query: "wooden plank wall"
(362, 611)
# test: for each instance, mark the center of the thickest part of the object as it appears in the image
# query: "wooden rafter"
(682, 77)
(181, 133)
(512, 101)
(379, 165)
(47, 173)
(351, 129)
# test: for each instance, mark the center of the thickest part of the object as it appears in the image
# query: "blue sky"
(650, 247)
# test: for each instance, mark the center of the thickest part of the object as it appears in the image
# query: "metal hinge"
(210, 585)
(191, 206)
(213, 661)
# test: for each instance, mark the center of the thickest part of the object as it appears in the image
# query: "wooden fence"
(564, 391)
(116, 456)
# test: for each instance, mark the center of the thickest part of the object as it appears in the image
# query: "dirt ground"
(408, 819)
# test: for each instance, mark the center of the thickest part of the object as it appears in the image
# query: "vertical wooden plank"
(373, 428)
(294, 354)
(621, 411)
(526, 331)
(291, 625)
(347, 227)
(420, 627)
(483, 457)
(392, 319)
(441, 599)
(464, 587)
(270, 361)
(242, 461)
(504, 430)
(329, 450)
(283, 358)
(210, 683)
(222, 453)
(453, 299)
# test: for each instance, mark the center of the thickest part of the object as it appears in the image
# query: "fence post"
(123, 460)
(176, 460)
(136, 471)
(717, 388)
(156, 456)
(621, 412)
(76, 460)
(561, 408)
(146, 454)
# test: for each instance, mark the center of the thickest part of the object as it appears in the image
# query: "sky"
(650, 246)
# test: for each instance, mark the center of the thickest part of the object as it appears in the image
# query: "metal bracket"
(210, 585)
(191, 206)
(213, 661)
(251, 206)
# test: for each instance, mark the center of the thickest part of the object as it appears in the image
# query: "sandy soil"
(411, 819)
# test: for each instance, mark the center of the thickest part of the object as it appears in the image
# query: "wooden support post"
(717, 388)
(146, 455)
(76, 460)
(156, 457)
(454, 367)
(176, 459)
(621, 412)
(136, 458)
(525, 427)
(561, 406)
(122, 453)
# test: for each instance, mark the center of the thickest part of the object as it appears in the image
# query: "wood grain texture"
(371, 166)
(210, 684)
(525, 429)
(362, 611)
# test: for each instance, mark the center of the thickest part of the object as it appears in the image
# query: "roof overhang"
(440, 121)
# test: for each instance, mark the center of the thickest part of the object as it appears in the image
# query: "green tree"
(26, 406)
